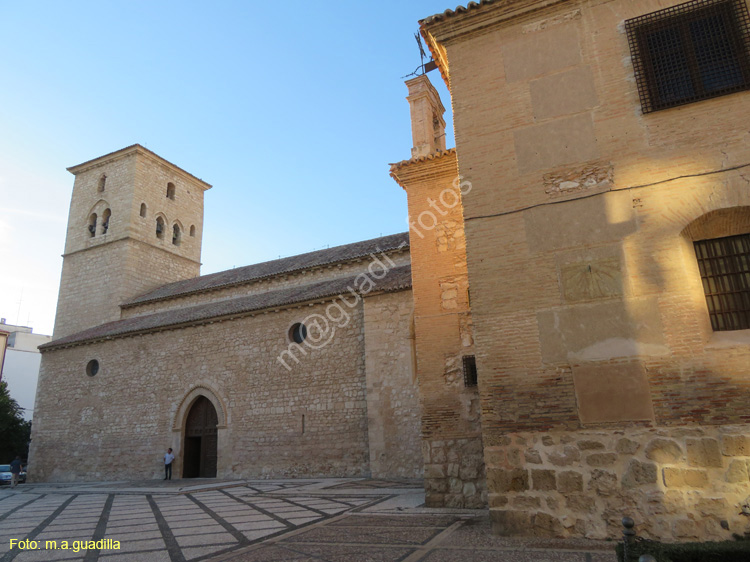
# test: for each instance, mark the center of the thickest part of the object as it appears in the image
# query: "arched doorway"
(199, 452)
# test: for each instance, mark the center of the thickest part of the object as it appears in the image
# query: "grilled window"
(470, 370)
(725, 271)
(690, 52)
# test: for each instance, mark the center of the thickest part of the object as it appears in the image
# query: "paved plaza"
(341, 520)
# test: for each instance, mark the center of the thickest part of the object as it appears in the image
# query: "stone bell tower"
(135, 223)
(427, 123)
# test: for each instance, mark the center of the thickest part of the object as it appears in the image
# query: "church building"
(563, 335)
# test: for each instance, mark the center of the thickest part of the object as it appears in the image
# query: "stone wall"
(683, 483)
(311, 420)
(454, 473)
(102, 271)
(95, 281)
(393, 414)
(136, 176)
(587, 302)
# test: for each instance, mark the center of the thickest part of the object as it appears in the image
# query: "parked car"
(6, 476)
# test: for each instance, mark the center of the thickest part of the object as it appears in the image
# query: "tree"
(15, 432)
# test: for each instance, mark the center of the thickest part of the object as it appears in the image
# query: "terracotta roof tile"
(433, 156)
(459, 10)
(267, 269)
(397, 279)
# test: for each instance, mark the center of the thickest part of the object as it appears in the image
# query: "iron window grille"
(725, 271)
(470, 370)
(690, 52)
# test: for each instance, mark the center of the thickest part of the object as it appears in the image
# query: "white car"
(6, 475)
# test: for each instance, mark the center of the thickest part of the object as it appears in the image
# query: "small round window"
(92, 368)
(298, 333)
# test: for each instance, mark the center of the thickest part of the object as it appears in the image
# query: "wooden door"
(200, 451)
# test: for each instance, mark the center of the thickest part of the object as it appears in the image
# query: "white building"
(20, 368)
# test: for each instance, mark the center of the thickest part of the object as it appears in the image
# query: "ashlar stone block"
(737, 472)
(601, 459)
(664, 451)
(704, 452)
(736, 445)
(639, 474)
(569, 455)
(569, 481)
(685, 478)
(627, 446)
(501, 481)
(603, 482)
(543, 480)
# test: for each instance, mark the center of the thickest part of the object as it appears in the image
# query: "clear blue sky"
(291, 110)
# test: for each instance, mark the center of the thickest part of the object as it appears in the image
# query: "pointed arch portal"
(201, 440)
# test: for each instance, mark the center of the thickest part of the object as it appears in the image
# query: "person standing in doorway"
(168, 458)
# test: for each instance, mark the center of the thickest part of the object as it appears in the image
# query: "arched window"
(721, 240)
(724, 265)
(105, 220)
(159, 227)
(92, 225)
(176, 235)
(192, 230)
(170, 191)
(102, 181)
(143, 210)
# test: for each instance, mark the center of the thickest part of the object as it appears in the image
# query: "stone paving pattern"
(335, 520)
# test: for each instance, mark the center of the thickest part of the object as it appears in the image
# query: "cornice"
(129, 238)
(141, 151)
(293, 274)
(264, 311)
(449, 26)
(438, 164)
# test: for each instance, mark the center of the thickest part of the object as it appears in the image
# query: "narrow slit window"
(470, 370)
(170, 191)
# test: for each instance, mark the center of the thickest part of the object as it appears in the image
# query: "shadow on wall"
(637, 407)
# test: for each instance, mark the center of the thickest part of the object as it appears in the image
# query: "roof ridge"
(397, 279)
(269, 269)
